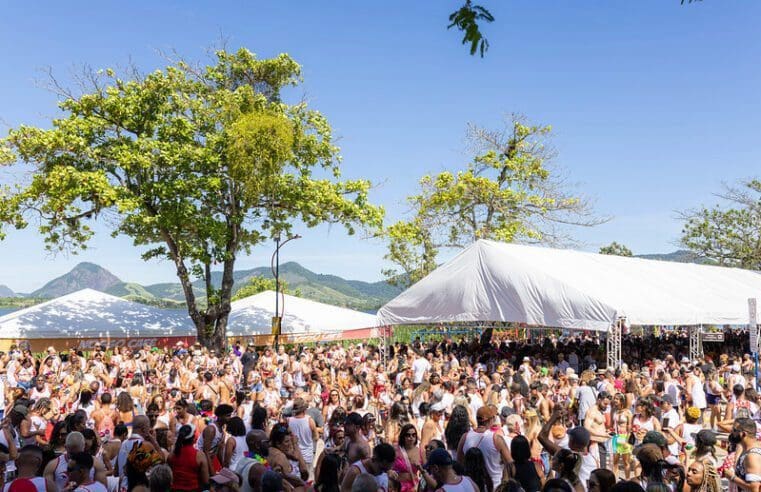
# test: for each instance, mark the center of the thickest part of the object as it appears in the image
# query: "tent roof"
(253, 316)
(89, 313)
(492, 281)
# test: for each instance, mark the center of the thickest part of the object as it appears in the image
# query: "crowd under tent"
(303, 320)
(86, 317)
(558, 288)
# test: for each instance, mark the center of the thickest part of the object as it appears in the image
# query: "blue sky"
(653, 104)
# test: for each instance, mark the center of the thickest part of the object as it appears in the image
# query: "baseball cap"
(655, 437)
(668, 399)
(705, 436)
(438, 407)
(439, 457)
(225, 475)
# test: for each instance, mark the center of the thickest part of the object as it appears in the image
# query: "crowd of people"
(473, 415)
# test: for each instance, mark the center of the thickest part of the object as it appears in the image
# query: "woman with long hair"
(126, 409)
(475, 469)
(622, 427)
(526, 471)
(458, 425)
(601, 480)
(644, 420)
(566, 464)
(397, 417)
(327, 475)
(408, 462)
(189, 465)
(702, 477)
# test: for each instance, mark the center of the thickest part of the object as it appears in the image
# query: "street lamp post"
(277, 320)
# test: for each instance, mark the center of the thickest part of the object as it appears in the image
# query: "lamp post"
(277, 320)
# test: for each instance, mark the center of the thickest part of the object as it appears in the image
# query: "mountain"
(5, 291)
(679, 256)
(84, 275)
(330, 289)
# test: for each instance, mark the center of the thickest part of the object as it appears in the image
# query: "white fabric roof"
(253, 316)
(92, 314)
(492, 281)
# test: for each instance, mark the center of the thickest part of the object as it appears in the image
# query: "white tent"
(253, 316)
(91, 314)
(491, 281)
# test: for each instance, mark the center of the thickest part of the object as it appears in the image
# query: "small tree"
(729, 235)
(615, 249)
(260, 283)
(200, 163)
(507, 193)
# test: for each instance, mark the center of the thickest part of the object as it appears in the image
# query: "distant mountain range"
(329, 289)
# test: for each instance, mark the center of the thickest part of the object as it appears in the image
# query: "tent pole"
(613, 344)
(695, 342)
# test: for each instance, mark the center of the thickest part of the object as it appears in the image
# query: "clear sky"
(653, 104)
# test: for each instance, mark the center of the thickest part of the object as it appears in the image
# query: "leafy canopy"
(198, 163)
(730, 235)
(506, 193)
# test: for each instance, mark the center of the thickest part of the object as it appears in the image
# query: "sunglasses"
(411, 434)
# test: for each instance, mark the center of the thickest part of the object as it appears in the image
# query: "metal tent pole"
(613, 344)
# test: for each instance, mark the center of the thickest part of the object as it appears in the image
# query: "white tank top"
(38, 482)
(300, 428)
(215, 441)
(688, 430)
(465, 485)
(61, 474)
(239, 452)
(485, 442)
(381, 480)
(698, 396)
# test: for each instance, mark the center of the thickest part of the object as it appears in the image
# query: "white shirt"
(419, 367)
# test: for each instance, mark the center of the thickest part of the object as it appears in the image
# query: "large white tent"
(90, 314)
(492, 281)
(253, 316)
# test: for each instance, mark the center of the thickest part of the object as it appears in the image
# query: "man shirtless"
(595, 424)
(357, 447)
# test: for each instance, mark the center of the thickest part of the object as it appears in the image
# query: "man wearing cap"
(439, 465)
(225, 480)
(492, 445)
(657, 438)
(305, 430)
(579, 441)
(670, 420)
(746, 474)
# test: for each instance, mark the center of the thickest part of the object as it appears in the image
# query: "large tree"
(198, 163)
(730, 234)
(507, 192)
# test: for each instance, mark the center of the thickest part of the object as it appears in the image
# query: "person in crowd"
(189, 465)
(440, 466)
(379, 466)
(488, 397)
